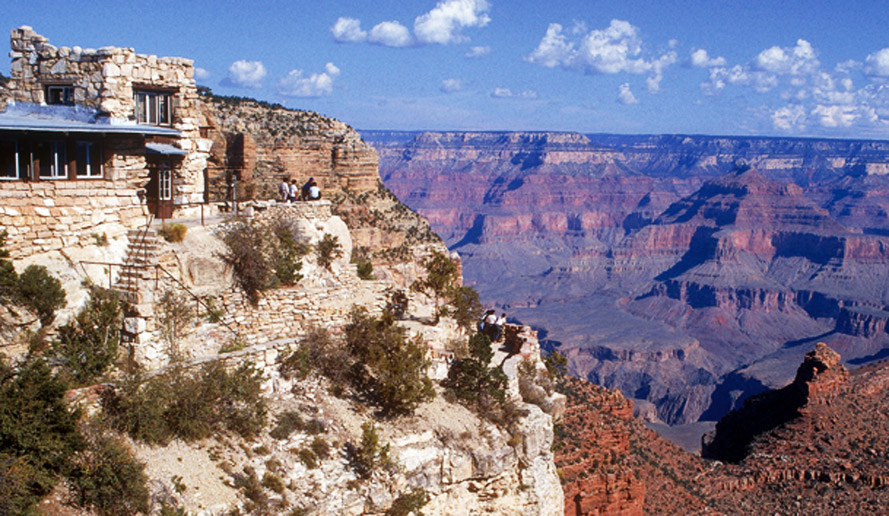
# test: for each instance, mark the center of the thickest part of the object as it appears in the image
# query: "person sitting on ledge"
(304, 192)
(314, 191)
(498, 327)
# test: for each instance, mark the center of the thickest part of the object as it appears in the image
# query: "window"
(153, 108)
(63, 95)
(9, 159)
(165, 184)
(51, 157)
(89, 159)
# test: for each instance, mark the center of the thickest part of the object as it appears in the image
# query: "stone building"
(95, 142)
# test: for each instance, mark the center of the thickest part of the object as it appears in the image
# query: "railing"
(157, 269)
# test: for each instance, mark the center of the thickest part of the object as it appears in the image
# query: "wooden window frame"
(93, 147)
(67, 94)
(59, 155)
(154, 107)
(18, 162)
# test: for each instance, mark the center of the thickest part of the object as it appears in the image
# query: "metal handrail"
(157, 267)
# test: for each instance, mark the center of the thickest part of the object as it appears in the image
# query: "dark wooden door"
(159, 191)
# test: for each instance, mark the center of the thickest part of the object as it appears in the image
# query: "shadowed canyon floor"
(655, 263)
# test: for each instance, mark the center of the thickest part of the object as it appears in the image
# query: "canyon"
(689, 272)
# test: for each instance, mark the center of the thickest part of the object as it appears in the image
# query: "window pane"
(163, 102)
(152, 109)
(9, 168)
(52, 159)
(141, 108)
(96, 160)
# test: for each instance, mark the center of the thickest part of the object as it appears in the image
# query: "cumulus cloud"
(625, 95)
(477, 52)
(506, 93)
(877, 64)
(797, 60)
(615, 49)
(296, 84)
(701, 59)
(348, 30)
(445, 21)
(201, 74)
(248, 74)
(390, 34)
(835, 116)
(790, 118)
(451, 85)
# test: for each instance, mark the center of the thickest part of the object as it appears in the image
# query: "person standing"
(283, 190)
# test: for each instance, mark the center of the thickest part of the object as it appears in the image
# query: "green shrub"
(88, 345)
(174, 314)
(472, 380)
(442, 276)
(9, 279)
(41, 292)
(38, 434)
(467, 306)
(214, 314)
(410, 502)
(232, 346)
(273, 482)
(320, 353)
(308, 457)
(328, 250)
(287, 254)
(252, 489)
(189, 404)
(288, 422)
(397, 366)
(370, 454)
(108, 478)
(248, 252)
(173, 232)
(263, 257)
(365, 268)
(320, 447)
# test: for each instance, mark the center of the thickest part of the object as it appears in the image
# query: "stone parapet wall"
(54, 215)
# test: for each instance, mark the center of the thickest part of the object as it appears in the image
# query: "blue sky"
(787, 68)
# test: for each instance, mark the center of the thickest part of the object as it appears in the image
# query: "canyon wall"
(683, 270)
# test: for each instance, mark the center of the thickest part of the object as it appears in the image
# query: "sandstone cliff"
(655, 271)
(812, 447)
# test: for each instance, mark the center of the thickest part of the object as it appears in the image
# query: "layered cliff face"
(656, 265)
(815, 446)
(262, 144)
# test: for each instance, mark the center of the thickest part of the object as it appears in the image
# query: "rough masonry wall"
(43, 216)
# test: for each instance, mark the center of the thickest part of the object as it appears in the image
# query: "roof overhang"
(163, 149)
(23, 117)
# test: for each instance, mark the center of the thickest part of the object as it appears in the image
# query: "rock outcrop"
(631, 251)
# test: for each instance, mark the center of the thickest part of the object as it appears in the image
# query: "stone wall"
(105, 79)
(42, 216)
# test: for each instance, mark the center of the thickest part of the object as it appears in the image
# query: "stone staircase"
(136, 279)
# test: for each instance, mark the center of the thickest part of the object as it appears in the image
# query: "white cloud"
(451, 85)
(390, 34)
(797, 60)
(835, 116)
(315, 85)
(877, 64)
(444, 22)
(476, 52)
(615, 49)
(348, 30)
(625, 95)
(200, 73)
(790, 118)
(701, 59)
(248, 74)
(506, 93)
